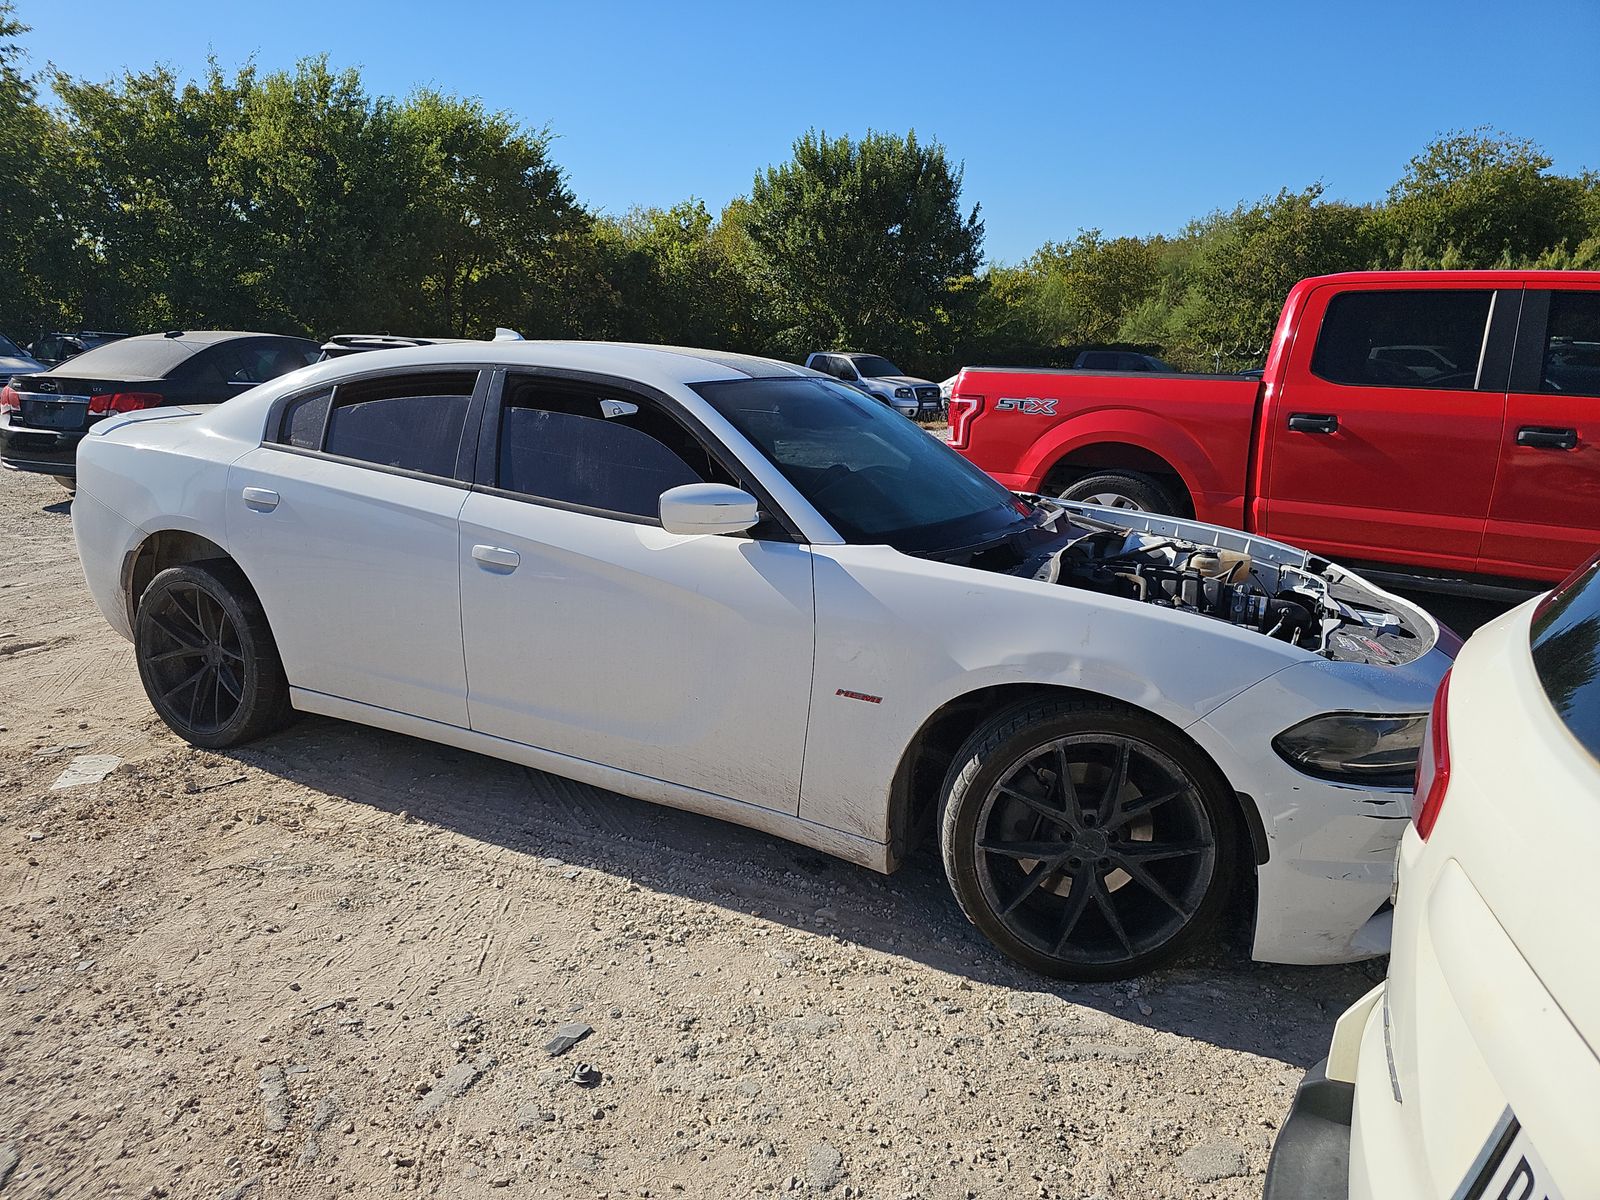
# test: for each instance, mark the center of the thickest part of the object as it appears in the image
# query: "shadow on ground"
(1220, 996)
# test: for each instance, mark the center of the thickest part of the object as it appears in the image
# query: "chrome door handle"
(496, 558)
(260, 499)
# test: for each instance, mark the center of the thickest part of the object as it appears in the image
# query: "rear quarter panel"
(1199, 425)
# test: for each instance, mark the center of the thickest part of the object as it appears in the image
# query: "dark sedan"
(44, 415)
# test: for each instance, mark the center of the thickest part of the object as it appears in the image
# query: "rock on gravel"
(455, 1083)
(824, 1166)
(274, 1100)
(1211, 1161)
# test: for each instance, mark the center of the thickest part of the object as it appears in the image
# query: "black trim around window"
(1527, 363)
(466, 450)
(486, 476)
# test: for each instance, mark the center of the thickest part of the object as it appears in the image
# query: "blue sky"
(1130, 117)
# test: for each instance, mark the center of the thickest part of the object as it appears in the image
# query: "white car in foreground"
(730, 585)
(1474, 1071)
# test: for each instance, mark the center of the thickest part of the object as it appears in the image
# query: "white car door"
(591, 631)
(344, 520)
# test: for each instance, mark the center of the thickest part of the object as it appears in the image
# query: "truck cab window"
(1403, 339)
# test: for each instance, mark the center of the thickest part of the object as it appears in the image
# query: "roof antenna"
(502, 334)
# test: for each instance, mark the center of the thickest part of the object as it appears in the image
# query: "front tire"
(1087, 840)
(207, 657)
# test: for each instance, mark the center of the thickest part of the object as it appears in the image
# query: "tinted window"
(1566, 653)
(1418, 339)
(1093, 360)
(7, 346)
(257, 362)
(873, 367)
(875, 477)
(303, 421)
(584, 447)
(1572, 345)
(413, 422)
(134, 358)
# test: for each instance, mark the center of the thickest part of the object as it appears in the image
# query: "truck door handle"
(260, 499)
(496, 558)
(1545, 438)
(1314, 423)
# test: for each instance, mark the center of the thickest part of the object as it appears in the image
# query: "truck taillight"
(1433, 767)
(121, 402)
(10, 401)
(962, 410)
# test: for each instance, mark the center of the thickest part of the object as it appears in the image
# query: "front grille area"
(927, 395)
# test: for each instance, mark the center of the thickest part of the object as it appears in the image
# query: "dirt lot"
(330, 965)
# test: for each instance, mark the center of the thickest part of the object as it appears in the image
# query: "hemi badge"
(848, 695)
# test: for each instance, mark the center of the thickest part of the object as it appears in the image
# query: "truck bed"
(1039, 427)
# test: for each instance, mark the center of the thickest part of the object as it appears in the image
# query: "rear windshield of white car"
(876, 477)
(1566, 653)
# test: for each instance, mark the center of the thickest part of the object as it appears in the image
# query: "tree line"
(299, 202)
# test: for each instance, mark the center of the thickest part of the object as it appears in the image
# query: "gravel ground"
(342, 961)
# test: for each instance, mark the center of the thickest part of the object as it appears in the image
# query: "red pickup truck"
(1445, 423)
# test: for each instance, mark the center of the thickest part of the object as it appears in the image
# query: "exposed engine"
(1253, 583)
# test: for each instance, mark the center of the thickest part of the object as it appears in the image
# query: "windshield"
(876, 477)
(870, 366)
(8, 347)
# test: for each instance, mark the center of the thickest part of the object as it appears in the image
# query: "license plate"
(67, 413)
(1511, 1168)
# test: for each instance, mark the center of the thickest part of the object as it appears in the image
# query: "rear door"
(1385, 432)
(345, 522)
(592, 632)
(1545, 517)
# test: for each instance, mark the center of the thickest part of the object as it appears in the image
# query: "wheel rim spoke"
(1069, 790)
(1047, 811)
(1150, 883)
(1119, 780)
(1030, 885)
(1133, 809)
(181, 636)
(1108, 909)
(1026, 851)
(1077, 903)
(1156, 851)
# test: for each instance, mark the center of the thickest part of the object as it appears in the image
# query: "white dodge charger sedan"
(735, 586)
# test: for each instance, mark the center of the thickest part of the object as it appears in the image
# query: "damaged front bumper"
(1324, 890)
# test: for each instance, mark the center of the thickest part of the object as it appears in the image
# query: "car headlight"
(1359, 748)
(904, 394)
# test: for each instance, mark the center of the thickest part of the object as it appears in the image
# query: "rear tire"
(1114, 875)
(207, 657)
(1121, 489)
(70, 482)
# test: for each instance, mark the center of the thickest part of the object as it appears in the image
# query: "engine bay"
(1249, 582)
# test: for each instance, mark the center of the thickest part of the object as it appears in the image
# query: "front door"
(592, 632)
(1545, 518)
(1385, 432)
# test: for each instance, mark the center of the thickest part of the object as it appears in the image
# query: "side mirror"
(708, 508)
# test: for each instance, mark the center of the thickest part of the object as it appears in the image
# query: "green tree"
(1482, 199)
(1245, 262)
(864, 243)
(38, 252)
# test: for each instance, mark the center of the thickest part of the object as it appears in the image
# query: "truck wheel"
(1087, 840)
(207, 658)
(1120, 489)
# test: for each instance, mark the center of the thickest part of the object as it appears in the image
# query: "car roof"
(650, 364)
(209, 337)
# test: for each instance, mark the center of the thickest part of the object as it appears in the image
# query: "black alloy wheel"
(207, 658)
(1087, 840)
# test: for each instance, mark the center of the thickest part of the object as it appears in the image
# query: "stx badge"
(1030, 407)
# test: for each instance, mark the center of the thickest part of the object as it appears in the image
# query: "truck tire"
(1112, 874)
(207, 658)
(1121, 489)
